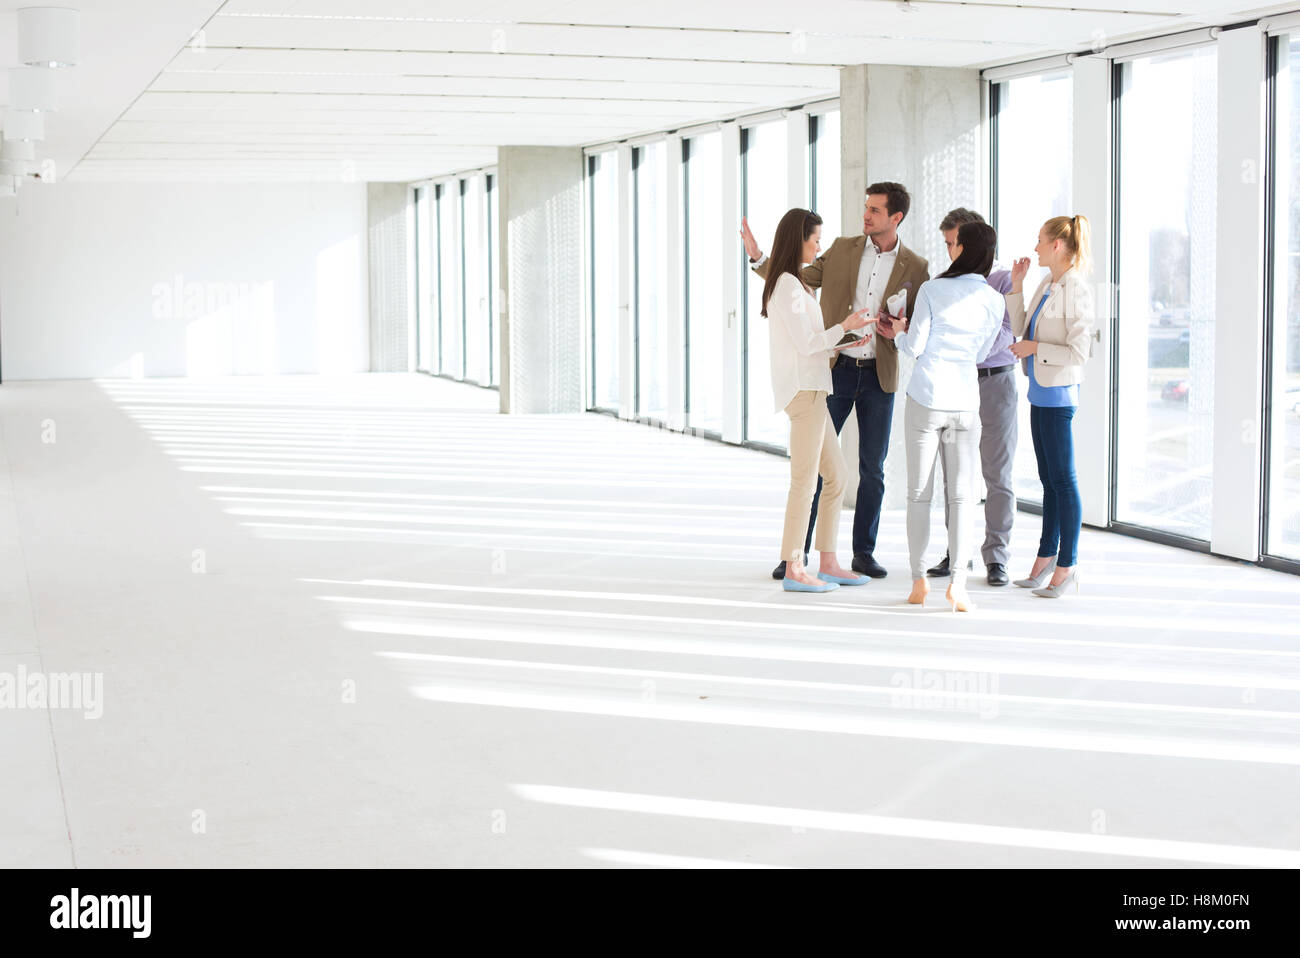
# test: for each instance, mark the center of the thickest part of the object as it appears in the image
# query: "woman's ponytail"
(1076, 233)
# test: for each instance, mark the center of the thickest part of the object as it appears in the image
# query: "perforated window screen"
(389, 283)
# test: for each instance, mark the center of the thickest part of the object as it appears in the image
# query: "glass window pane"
(826, 185)
(705, 322)
(1168, 109)
(651, 282)
(765, 160)
(494, 285)
(1283, 508)
(475, 263)
(604, 238)
(1033, 185)
(449, 278)
(426, 290)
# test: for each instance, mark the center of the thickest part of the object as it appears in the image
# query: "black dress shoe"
(779, 572)
(997, 574)
(944, 568)
(866, 565)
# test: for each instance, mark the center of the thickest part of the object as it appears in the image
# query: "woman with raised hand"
(801, 347)
(1057, 342)
(956, 322)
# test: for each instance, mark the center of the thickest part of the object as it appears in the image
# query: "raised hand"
(751, 244)
(1019, 270)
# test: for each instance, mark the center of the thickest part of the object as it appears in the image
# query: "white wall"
(175, 279)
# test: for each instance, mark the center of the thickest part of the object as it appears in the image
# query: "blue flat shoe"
(793, 585)
(844, 580)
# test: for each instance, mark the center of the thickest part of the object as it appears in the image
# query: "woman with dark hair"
(801, 347)
(957, 320)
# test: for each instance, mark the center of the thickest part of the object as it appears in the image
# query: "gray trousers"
(952, 438)
(998, 435)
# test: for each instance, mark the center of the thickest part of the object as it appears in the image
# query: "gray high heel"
(1056, 591)
(1036, 581)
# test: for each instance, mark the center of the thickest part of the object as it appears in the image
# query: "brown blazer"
(835, 272)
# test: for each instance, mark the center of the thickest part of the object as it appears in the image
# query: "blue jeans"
(858, 387)
(1062, 509)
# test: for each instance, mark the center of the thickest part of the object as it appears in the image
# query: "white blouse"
(800, 348)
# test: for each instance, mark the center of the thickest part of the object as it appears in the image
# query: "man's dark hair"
(897, 199)
(958, 216)
(977, 241)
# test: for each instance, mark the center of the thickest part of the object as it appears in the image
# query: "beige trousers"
(814, 448)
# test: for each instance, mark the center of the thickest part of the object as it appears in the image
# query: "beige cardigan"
(1063, 330)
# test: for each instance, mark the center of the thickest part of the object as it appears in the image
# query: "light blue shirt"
(955, 325)
(1053, 396)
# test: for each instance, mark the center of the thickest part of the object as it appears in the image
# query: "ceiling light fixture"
(49, 36)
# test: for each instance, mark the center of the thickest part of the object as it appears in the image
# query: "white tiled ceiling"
(400, 90)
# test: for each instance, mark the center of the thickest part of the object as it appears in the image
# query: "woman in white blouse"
(957, 320)
(800, 351)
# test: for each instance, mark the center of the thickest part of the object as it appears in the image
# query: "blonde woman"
(1057, 324)
(800, 353)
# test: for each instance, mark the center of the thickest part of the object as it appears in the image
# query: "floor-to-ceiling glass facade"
(603, 256)
(649, 174)
(449, 278)
(475, 271)
(704, 316)
(765, 161)
(426, 286)
(824, 135)
(492, 253)
(1031, 185)
(1282, 507)
(1168, 173)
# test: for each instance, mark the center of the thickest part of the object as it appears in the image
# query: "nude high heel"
(960, 605)
(920, 589)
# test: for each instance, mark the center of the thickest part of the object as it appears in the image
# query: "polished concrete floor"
(367, 621)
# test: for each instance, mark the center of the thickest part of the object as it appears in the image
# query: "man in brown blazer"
(860, 272)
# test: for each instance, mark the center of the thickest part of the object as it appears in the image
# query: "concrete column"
(919, 126)
(541, 250)
(1239, 296)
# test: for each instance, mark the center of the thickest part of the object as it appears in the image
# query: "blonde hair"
(1076, 233)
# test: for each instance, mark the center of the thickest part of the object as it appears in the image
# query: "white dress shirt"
(800, 344)
(955, 325)
(873, 276)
